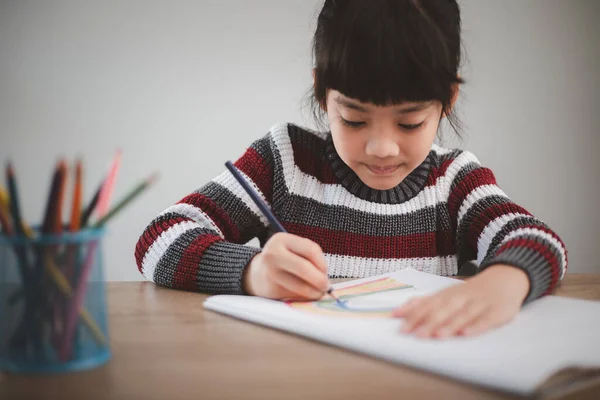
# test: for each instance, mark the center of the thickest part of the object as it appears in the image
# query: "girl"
(373, 194)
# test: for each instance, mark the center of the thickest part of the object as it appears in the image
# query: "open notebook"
(553, 337)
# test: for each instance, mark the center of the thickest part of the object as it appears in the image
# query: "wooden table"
(166, 346)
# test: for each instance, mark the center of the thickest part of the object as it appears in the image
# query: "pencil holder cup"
(52, 303)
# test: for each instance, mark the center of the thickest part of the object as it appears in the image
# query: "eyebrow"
(401, 110)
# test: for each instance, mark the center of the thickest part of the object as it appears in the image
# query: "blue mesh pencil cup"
(53, 313)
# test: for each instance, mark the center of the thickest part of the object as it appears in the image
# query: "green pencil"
(126, 200)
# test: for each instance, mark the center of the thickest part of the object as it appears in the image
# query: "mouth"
(383, 170)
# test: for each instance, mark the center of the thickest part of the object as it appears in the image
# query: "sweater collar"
(404, 191)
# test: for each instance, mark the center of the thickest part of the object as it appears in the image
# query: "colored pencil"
(109, 186)
(87, 213)
(55, 228)
(51, 202)
(77, 194)
(5, 223)
(14, 199)
(27, 329)
(4, 201)
(81, 287)
(136, 191)
(57, 225)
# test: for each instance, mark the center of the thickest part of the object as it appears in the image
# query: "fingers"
(307, 249)
(438, 312)
(440, 316)
(288, 266)
(291, 287)
(305, 271)
(455, 325)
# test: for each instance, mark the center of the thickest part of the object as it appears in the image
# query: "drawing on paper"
(371, 299)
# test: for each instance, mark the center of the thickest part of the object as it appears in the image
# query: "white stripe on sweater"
(440, 150)
(360, 267)
(549, 238)
(228, 181)
(162, 243)
(194, 213)
(305, 185)
(491, 230)
(479, 193)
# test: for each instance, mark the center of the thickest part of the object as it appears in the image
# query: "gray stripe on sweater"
(302, 210)
(462, 173)
(473, 213)
(222, 267)
(246, 221)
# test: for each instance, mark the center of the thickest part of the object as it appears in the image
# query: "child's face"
(382, 145)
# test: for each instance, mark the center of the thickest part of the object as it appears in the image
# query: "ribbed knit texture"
(449, 210)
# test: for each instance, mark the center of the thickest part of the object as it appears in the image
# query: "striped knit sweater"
(448, 211)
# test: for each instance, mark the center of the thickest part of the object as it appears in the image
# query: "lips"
(383, 169)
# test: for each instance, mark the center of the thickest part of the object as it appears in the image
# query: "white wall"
(182, 86)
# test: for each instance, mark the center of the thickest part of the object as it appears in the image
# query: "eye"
(351, 124)
(411, 127)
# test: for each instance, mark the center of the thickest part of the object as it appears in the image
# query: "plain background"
(183, 86)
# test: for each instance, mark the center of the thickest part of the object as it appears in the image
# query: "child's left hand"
(487, 300)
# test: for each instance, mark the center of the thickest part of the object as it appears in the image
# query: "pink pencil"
(81, 287)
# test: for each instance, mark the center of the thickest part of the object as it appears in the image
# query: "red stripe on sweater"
(216, 214)
(256, 168)
(151, 234)
(186, 272)
(310, 164)
(437, 172)
(357, 245)
(488, 215)
(476, 178)
(540, 249)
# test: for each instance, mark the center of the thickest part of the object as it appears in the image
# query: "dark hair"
(388, 51)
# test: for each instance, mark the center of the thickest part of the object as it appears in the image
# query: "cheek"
(418, 144)
(349, 145)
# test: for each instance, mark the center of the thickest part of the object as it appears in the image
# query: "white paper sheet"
(547, 335)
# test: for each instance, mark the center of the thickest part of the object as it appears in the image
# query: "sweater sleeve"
(495, 230)
(198, 243)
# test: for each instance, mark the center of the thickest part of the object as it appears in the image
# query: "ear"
(455, 92)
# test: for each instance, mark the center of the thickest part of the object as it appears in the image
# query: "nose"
(382, 146)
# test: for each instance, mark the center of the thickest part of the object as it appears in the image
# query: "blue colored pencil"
(264, 208)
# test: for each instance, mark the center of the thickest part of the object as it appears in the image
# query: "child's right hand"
(289, 267)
